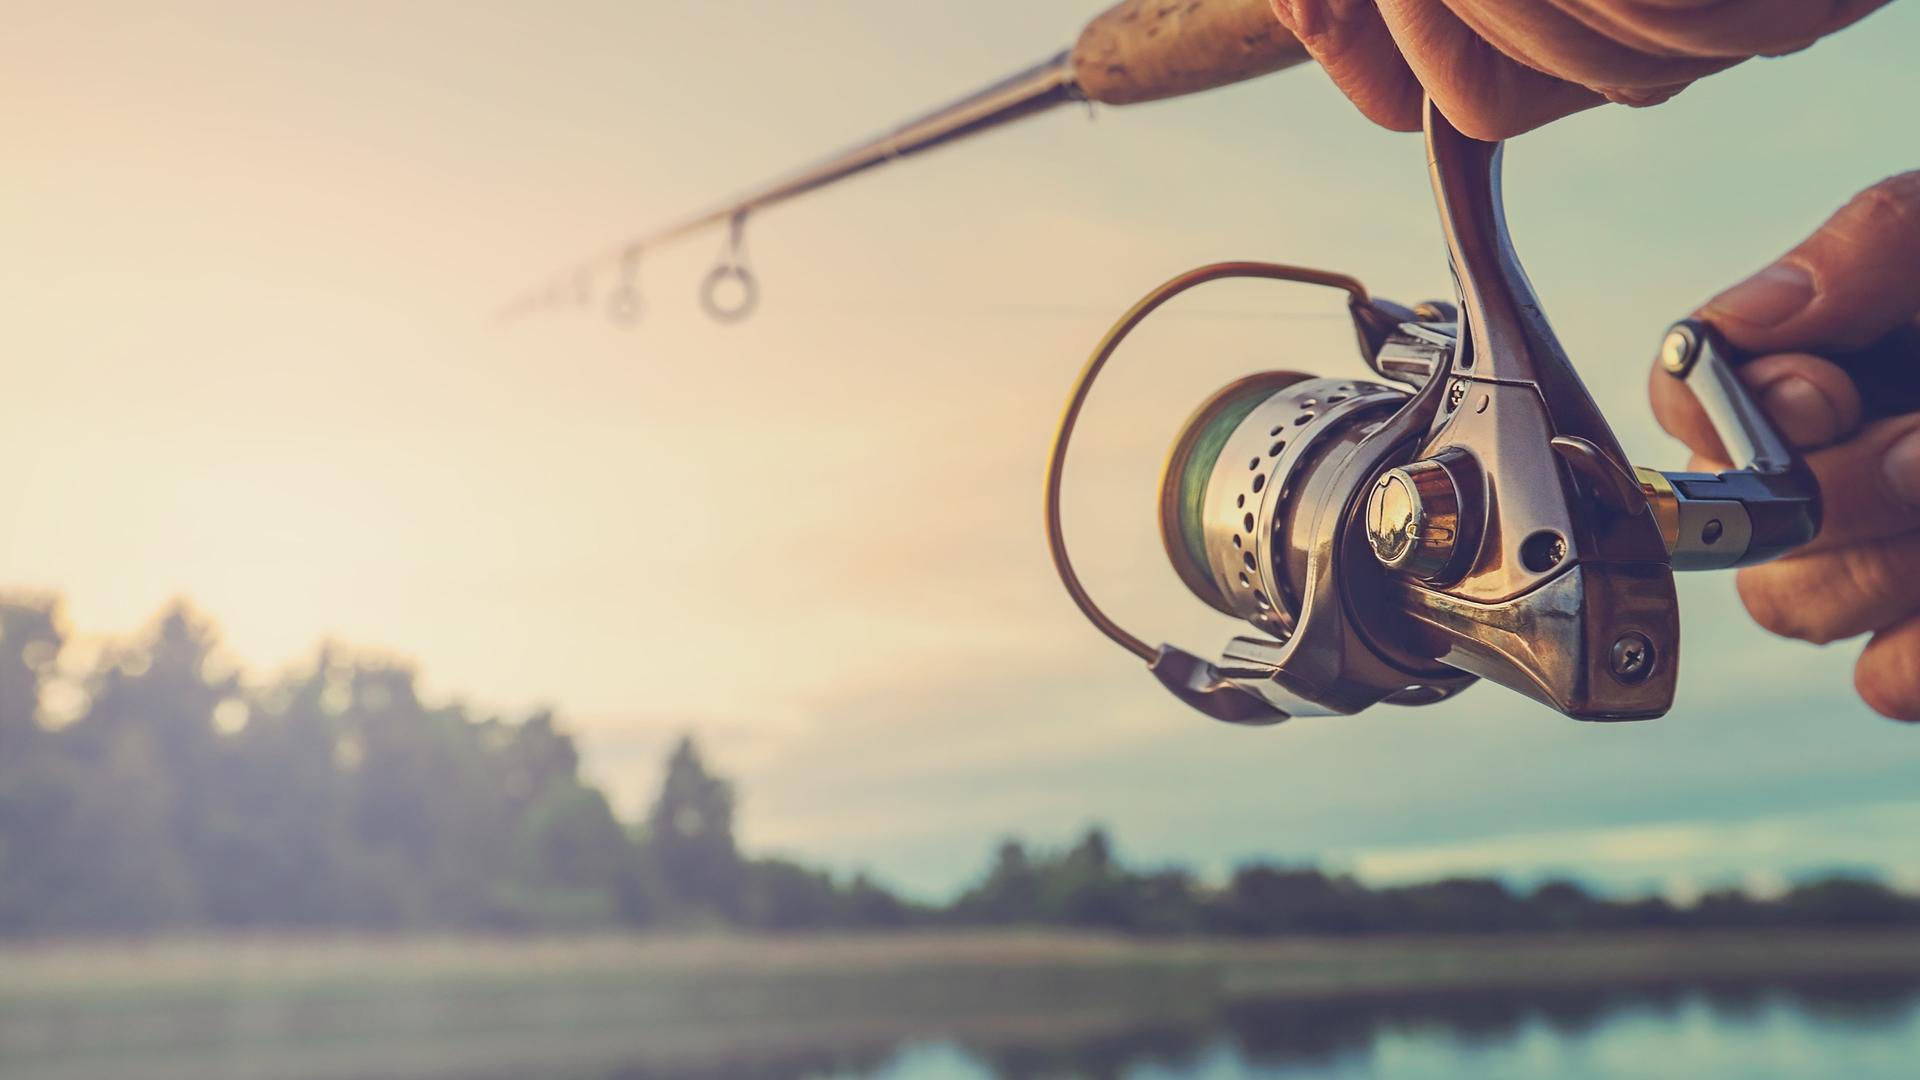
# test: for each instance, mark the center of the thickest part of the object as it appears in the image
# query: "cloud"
(1876, 837)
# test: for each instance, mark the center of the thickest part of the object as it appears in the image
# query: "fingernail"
(1902, 468)
(1768, 298)
(1802, 413)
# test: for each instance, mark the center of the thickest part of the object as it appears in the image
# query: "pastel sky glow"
(252, 253)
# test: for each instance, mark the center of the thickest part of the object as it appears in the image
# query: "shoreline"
(724, 1006)
(1302, 964)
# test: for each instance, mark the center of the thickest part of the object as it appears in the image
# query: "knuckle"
(1640, 97)
(1312, 21)
(1480, 108)
(1862, 577)
(1890, 207)
(1484, 117)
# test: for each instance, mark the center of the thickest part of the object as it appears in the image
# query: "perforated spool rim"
(1253, 498)
(1187, 551)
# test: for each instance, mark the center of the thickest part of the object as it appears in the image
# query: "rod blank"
(1139, 50)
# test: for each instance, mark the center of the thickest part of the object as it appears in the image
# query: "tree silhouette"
(690, 835)
(1010, 892)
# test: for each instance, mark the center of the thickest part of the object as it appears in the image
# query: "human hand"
(1497, 68)
(1852, 283)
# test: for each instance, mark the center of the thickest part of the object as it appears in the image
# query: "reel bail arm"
(1202, 685)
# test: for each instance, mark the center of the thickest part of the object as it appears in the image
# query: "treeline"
(152, 788)
(1084, 887)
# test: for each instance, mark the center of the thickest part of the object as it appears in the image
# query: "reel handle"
(1770, 504)
(1766, 506)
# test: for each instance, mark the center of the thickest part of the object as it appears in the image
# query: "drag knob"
(1413, 520)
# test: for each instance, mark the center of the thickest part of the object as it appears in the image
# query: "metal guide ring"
(716, 280)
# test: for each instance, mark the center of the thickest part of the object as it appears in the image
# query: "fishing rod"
(1136, 51)
(1464, 514)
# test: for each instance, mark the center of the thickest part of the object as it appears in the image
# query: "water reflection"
(1347, 1036)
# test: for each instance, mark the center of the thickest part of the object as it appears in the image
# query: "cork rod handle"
(1145, 50)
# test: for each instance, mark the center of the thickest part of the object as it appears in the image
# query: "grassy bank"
(472, 1008)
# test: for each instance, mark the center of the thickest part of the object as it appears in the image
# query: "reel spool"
(1255, 505)
(1230, 512)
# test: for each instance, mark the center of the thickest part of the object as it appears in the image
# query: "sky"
(252, 258)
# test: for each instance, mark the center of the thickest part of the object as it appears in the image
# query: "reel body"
(1479, 520)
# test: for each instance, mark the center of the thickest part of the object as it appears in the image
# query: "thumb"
(1853, 282)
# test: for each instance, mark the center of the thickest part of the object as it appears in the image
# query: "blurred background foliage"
(154, 787)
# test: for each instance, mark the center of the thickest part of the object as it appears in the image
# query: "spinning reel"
(1466, 515)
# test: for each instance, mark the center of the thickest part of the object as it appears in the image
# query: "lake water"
(1036, 1024)
(1856, 1030)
